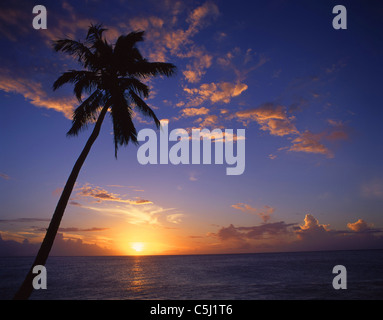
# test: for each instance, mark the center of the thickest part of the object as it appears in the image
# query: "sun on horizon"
(138, 247)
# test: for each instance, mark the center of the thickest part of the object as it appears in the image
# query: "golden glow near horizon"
(138, 246)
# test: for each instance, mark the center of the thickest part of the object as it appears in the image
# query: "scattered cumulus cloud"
(277, 121)
(310, 235)
(221, 92)
(310, 143)
(271, 118)
(359, 225)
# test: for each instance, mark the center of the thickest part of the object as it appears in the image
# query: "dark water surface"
(300, 275)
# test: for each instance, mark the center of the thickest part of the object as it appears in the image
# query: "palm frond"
(86, 84)
(85, 81)
(126, 43)
(135, 85)
(85, 113)
(95, 33)
(76, 49)
(145, 69)
(144, 108)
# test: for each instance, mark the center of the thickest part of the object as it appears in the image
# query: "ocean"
(261, 276)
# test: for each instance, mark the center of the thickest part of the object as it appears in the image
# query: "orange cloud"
(272, 118)
(144, 23)
(359, 226)
(33, 91)
(310, 143)
(163, 39)
(311, 223)
(208, 121)
(275, 120)
(201, 16)
(191, 112)
(221, 92)
(195, 70)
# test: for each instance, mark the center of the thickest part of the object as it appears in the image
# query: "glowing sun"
(137, 246)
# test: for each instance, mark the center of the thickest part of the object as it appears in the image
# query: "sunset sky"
(308, 96)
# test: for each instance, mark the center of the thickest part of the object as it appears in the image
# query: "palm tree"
(112, 78)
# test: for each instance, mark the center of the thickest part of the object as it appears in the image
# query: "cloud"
(163, 39)
(335, 67)
(210, 121)
(362, 226)
(152, 215)
(75, 203)
(175, 218)
(61, 247)
(270, 117)
(4, 176)
(135, 211)
(263, 213)
(24, 220)
(192, 112)
(197, 68)
(144, 23)
(315, 236)
(311, 227)
(19, 73)
(34, 93)
(254, 232)
(102, 195)
(275, 119)
(338, 131)
(311, 235)
(228, 233)
(310, 143)
(358, 226)
(201, 16)
(14, 22)
(221, 92)
(73, 229)
(266, 229)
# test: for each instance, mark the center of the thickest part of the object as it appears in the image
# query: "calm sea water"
(304, 275)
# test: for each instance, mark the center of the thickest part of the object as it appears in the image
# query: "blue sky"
(307, 95)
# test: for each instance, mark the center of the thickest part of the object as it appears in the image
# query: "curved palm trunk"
(26, 288)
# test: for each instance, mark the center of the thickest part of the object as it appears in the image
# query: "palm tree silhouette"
(112, 79)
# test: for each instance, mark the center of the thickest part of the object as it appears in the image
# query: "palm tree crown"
(112, 80)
